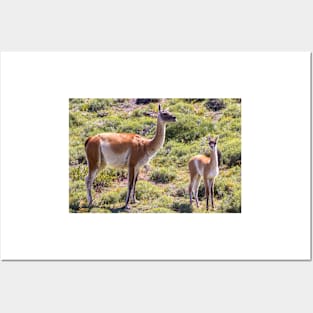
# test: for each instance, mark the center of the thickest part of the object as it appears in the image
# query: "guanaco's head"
(213, 142)
(166, 116)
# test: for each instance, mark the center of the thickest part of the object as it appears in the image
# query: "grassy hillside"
(163, 186)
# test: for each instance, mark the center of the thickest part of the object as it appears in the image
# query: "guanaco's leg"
(196, 188)
(191, 186)
(212, 193)
(210, 189)
(92, 172)
(207, 191)
(93, 155)
(133, 192)
(131, 178)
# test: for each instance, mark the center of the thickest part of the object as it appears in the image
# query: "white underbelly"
(145, 160)
(199, 167)
(213, 173)
(112, 158)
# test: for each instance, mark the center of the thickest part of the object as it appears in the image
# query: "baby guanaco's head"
(213, 143)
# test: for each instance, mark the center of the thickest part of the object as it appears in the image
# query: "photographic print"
(155, 155)
(80, 140)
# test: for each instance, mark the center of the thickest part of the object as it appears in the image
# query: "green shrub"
(77, 200)
(182, 207)
(77, 119)
(165, 155)
(131, 126)
(163, 201)
(182, 107)
(228, 189)
(74, 202)
(147, 191)
(224, 186)
(76, 103)
(233, 110)
(180, 153)
(73, 121)
(95, 105)
(139, 125)
(229, 125)
(77, 186)
(78, 172)
(181, 191)
(108, 198)
(232, 203)
(231, 151)
(188, 128)
(77, 155)
(105, 178)
(138, 112)
(163, 175)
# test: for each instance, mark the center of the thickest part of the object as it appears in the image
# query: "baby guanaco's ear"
(216, 139)
(209, 138)
(159, 107)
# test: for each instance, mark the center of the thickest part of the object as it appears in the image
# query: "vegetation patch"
(159, 210)
(163, 175)
(147, 191)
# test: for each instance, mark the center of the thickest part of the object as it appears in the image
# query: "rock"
(215, 104)
(146, 101)
(102, 114)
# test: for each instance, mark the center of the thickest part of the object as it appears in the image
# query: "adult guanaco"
(124, 150)
(201, 165)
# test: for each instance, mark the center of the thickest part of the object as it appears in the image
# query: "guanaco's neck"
(214, 158)
(158, 140)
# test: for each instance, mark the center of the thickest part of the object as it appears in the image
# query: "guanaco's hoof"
(90, 206)
(126, 208)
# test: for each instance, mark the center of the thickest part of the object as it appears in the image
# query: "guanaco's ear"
(216, 139)
(159, 107)
(209, 138)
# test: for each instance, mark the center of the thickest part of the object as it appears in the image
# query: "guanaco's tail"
(86, 142)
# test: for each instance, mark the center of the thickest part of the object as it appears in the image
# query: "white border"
(275, 88)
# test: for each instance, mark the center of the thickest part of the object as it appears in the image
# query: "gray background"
(156, 286)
